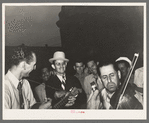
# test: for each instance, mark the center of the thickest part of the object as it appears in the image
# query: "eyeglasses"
(61, 64)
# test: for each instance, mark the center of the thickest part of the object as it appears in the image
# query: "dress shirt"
(139, 81)
(87, 87)
(12, 93)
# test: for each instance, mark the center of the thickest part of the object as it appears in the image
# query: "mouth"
(111, 86)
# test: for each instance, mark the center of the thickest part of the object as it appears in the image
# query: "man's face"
(79, 67)
(123, 68)
(109, 77)
(92, 67)
(60, 66)
(29, 67)
(45, 74)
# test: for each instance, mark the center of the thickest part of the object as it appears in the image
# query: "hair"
(105, 63)
(123, 61)
(78, 61)
(21, 54)
(90, 59)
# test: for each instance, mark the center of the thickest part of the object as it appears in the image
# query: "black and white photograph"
(74, 61)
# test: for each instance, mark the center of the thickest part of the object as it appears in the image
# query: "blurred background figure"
(79, 69)
(92, 77)
(138, 84)
(124, 64)
(39, 91)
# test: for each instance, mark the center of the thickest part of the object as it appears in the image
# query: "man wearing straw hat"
(62, 83)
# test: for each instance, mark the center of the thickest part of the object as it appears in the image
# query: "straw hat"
(125, 59)
(59, 55)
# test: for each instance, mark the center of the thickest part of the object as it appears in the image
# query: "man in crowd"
(61, 83)
(39, 91)
(124, 65)
(79, 68)
(93, 77)
(110, 76)
(18, 93)
(139, 83)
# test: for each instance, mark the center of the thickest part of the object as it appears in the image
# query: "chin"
(112, 90)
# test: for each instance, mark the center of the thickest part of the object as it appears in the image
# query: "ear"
(119, 74)
(66, 64)
(23, 65)
(53, 66)
(97, 63)
(74, 67)
(83, 66)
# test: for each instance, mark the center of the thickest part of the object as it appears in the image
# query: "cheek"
(105, 83)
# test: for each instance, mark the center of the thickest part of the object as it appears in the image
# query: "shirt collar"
(61, 78)
(13, 79)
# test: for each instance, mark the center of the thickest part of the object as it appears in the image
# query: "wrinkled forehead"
(106, 70)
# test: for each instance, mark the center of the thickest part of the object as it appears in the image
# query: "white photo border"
(74, 114)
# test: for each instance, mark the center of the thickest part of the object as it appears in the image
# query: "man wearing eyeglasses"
(61, 83)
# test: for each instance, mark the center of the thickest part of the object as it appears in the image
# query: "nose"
(109, 79)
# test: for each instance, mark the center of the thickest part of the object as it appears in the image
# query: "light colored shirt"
(139, 81)
(40, 92)
(81, 78)
(87, 87)
(12, 93)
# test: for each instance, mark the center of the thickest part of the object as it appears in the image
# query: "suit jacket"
(71, 81)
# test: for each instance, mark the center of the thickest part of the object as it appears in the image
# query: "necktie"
(20, 95)
(63, 82)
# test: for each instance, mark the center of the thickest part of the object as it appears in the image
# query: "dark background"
(102, 32)
(76, 121)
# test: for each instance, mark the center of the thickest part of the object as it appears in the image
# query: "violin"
(124, 98)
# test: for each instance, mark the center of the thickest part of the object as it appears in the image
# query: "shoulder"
(139, 70)
(26, 82)
(7, 83)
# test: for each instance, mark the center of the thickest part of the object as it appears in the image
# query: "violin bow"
(134, 60)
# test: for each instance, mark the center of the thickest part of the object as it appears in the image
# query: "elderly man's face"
(60, 66)
(109, 77)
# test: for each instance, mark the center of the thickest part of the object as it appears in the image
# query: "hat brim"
(53, 59)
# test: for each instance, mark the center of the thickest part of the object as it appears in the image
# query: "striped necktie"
(20, 95)
(63, 82)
